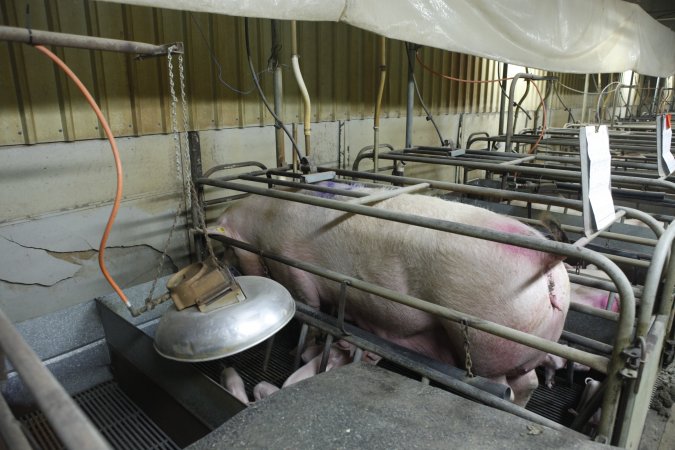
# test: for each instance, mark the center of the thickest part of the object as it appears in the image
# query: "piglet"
(232, 382)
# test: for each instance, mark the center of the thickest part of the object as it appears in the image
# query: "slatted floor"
(127, 427)
(118, 419)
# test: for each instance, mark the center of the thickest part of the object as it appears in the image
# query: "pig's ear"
(554, 228)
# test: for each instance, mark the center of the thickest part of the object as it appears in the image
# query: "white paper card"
(600, 187)
(668, 158)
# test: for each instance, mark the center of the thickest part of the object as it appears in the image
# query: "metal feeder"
(211, 318)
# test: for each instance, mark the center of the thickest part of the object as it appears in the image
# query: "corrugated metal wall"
(38, 104)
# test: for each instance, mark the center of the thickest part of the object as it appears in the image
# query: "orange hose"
(118, 166)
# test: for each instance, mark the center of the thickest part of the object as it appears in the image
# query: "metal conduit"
(71, 425)
(626, 318)
(34, 37)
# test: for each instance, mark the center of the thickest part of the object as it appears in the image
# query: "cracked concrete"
(52, 263)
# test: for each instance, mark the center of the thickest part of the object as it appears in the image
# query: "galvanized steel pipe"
(34, 37)
(69, 422)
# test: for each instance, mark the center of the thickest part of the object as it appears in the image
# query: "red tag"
(667, 121)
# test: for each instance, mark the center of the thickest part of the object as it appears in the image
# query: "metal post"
(198, 203)
(411, 95)
(278, 93)
(630, 91)
(657, 88)
(584, 104)
(34, 37)
(502, 101)
(69, 422)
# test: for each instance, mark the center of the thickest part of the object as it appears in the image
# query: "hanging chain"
(192, 195)
(467, 358)
(149, 302)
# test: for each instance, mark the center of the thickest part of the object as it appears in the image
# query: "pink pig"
(520, 288)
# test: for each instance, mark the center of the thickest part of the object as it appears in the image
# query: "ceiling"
(661, 10)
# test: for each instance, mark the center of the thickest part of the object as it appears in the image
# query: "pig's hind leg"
(523, 386)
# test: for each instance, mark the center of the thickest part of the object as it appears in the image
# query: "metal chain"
(186, 172)
(192, 195)
(467, 359)
(179, 171)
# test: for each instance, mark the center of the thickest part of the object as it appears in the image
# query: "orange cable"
(118, 166)
(448, 77)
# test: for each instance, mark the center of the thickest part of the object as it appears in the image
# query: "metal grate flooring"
(118, 419)
(249, 364)
(554, 404)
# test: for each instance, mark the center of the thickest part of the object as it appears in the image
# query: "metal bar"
(627, 316)
(597, 312)
(585, 240)
(410, 98)
(195, 150)
(606, 234)
(301, 346)
(308, 186)
(584, 103)
(586, 342)
(502, 100)
(537, 171)
(477, 388)
(219, 167)
(34, 37)
(11, 433)
(389, 193)
(605, 285)
(648, 220)
(597, 362)
(519, 160)
(73, 428)
(278, 94)
(654, 275)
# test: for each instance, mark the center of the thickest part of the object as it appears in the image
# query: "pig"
(263, 390)
(232, 382)
(340, 354)
(520, 288)
(553, 362)
(594, 297)
(584, 295)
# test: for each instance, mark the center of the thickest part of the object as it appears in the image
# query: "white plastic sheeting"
(577, 36)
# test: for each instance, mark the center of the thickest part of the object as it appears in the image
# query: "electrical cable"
(118, 167)
(217, 63)
(448, 77)
(424, 106)
(262, 94)
(568, 110)
(597, 108)
(438, 74)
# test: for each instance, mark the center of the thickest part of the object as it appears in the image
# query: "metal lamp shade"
(190, 335)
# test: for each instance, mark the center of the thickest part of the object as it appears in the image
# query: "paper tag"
(668, 158)
(600, 186)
